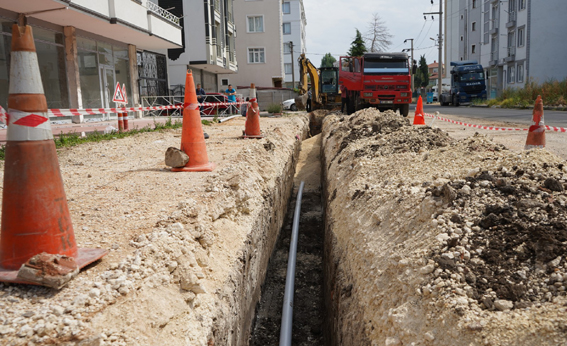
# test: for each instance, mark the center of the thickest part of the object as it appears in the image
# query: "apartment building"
(293, 30)
(515, 40)
(209, 33)
(85, 47)
(259, 44)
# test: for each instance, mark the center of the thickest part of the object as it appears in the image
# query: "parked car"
(289, 104)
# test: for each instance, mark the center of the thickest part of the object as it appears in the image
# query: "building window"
(286, 48)
(473, 49)
(287, 28)
(522, 5)
(224, 81)
(256, 56)
(521, 32)
(462, 17)
(511, 74)
(520, 73)
(474, 4)
(473, 26)
(286, 9)
(288, 68)
(256, 24)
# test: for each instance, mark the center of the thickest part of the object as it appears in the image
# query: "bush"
(274, 108)
(553, 92)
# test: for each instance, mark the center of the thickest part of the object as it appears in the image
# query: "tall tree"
(377, 36)
(357, 47)
(422, 75)
(328, 60)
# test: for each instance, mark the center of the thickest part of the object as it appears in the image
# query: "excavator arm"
(306, 71)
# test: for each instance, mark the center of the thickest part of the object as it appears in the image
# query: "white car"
(289, 104)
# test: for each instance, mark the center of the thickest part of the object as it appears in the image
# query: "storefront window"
(90, 81)
(53, 75)
(4, 69)
(123, 77)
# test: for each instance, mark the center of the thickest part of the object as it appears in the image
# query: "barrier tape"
(493, 128)
(95, 111)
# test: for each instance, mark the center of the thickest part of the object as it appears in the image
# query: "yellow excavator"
(324, 93)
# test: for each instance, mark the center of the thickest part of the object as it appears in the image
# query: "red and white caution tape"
(493, 128)
(95, 111)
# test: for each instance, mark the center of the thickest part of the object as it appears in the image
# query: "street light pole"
(440, 68)
(412, 74)
(292, 65)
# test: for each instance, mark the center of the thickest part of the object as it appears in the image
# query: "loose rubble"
(441, 242)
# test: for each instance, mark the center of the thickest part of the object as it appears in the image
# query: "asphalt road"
(520, 116)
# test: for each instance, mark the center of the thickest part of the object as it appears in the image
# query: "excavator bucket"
(301, 101)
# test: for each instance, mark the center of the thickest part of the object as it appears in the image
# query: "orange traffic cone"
(192, 137)
(536, 134)
(35, 216)
(252, 126)
(419, 117)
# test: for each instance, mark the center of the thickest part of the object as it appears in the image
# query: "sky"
(331, 25)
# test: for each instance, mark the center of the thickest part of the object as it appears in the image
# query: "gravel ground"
(441, 241)
(176, 240)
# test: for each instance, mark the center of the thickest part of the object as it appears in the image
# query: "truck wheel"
(404, 110)
(455, 101)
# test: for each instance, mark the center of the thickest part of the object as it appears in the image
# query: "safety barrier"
(94, 111)
(493, 128)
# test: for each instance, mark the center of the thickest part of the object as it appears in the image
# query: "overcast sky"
(331, 25)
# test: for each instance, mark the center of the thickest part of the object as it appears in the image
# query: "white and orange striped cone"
(35, 215)
(252, 124)
(536, 133)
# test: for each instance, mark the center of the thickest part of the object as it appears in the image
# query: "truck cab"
(467, 83)
(380, 80)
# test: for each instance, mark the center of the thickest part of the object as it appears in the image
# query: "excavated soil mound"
(431, 241)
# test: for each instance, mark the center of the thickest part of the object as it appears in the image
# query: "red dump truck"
(380, 80)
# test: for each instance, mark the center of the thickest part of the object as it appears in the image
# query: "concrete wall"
(271, 40)
(268, 97)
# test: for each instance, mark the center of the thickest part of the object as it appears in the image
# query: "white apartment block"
(514, 40)
(259, 44)
(293, 29)
(85, 47)
(209, 33)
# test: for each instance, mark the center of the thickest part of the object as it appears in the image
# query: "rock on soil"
(441, 242)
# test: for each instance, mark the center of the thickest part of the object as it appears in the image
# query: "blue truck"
(467, 83)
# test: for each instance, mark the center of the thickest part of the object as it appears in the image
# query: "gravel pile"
(504, 239)
(393, 134)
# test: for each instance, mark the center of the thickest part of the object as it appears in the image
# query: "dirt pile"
(432, 241)
(507, 237)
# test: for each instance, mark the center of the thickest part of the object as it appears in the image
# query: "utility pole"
(440, 76)
(412, 74)
(292, 64)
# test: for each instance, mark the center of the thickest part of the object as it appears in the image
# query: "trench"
(308, 306)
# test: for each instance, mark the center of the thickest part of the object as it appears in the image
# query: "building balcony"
(511, 54)
(493, 58)
(123, 20)
(217, 61)
(511, 20)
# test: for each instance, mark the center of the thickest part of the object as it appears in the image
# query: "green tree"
(328, 60)
(422, 74)
(357, 47)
